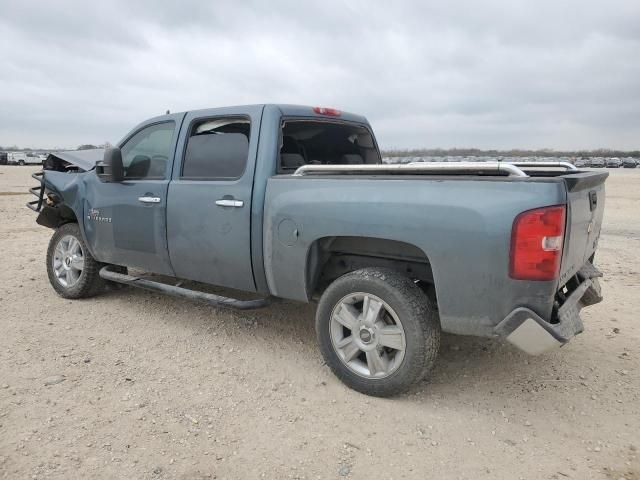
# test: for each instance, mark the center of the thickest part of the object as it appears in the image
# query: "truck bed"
(461, 222)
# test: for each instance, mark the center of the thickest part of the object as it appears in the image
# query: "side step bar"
(209, 298)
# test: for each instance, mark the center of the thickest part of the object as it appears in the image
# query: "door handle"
(149, 199)
(227, 202)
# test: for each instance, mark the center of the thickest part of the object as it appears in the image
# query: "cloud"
(492, 74)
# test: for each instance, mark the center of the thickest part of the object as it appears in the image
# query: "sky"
(490, 74)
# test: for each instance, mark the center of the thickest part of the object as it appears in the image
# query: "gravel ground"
(136, 385)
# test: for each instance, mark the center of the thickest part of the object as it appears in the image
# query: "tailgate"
(585, 207)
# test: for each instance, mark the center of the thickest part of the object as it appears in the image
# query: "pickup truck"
(20, 158)
(292, 202)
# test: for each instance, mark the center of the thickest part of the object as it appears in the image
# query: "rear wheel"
(21, 163)
(73, 272)
(377, 331)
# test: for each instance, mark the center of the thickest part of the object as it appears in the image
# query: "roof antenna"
(168, 112)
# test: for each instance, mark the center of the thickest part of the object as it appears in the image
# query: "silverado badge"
(94, 214)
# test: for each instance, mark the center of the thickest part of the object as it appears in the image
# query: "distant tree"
(87, 147)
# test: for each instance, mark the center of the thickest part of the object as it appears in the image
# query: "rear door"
(585, 208)
(125, 222)
(209, 210)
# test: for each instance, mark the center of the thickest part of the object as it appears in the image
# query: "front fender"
(70, 189)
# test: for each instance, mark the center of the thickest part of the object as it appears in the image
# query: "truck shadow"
(466, 365)
(487, 372)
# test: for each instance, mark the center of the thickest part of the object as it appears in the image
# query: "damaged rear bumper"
(529, 332)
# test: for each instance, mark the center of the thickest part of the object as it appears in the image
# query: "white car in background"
(24, 158)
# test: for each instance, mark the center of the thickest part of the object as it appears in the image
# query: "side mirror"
(110, 169)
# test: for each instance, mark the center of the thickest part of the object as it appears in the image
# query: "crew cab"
(293, 202)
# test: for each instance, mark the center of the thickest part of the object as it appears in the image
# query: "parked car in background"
(613, 162)
(629, 162)
(4, 158)
(24, 158)
(597, 162)
(582, 162)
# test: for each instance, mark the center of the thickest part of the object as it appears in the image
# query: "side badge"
(94, 214)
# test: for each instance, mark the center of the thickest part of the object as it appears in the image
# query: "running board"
(209, 298)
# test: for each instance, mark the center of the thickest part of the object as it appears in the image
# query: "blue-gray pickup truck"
(293, 202)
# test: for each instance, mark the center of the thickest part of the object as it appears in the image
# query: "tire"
(65, 276)
(21, 163)
(406, 357)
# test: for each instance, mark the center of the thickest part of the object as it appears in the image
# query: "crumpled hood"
(85, 159)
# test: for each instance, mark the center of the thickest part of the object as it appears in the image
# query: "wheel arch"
(333, 256)
(65, 193)
(56, 216)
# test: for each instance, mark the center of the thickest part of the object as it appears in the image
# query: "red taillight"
(331, 112)
(536, 244)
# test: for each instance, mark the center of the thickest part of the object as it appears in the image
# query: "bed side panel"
(462, 225)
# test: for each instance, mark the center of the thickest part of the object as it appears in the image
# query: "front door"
(209, 212)
(125, 222)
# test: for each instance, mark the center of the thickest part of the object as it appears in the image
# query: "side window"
(217, 149)
(146, 154)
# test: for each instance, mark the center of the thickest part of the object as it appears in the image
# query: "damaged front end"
(57, 186)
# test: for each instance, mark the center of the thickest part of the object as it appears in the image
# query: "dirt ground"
(155, 387)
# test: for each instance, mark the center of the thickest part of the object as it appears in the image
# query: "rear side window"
(309, 142)
(217, 149)
(146, 154)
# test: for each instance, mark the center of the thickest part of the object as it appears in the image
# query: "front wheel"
(73, 272)
(377, 331)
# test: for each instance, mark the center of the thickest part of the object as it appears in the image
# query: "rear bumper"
(529, 332)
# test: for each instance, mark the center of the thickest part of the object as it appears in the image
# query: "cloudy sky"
(489, 74)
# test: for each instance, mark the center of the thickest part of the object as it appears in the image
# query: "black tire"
(21, 163)
(418, 317)
(89, 282)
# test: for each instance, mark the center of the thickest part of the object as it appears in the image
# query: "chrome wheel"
(68, 261)
(367, 335)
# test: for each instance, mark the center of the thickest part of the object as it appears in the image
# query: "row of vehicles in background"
(593, 162)
(610, 162)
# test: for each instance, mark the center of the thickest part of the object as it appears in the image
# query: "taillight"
(331, 112)
(536, 244)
